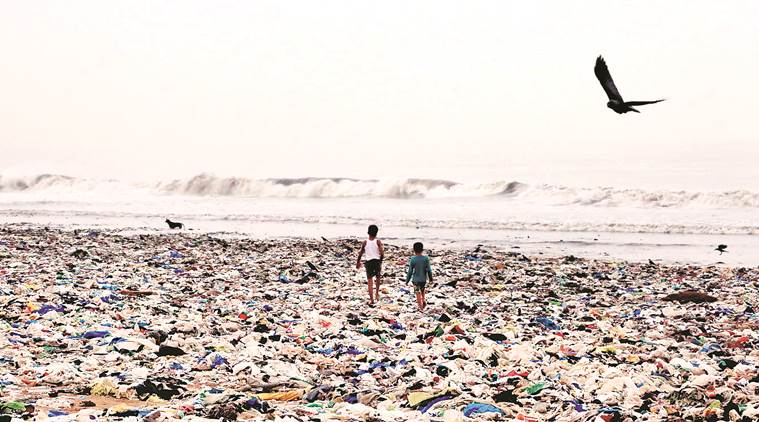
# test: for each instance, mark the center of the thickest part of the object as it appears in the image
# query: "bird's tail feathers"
(640, 103)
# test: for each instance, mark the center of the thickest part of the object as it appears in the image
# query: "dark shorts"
(373, 268)
(419, 287)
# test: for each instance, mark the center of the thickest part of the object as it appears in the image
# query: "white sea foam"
(208, 185)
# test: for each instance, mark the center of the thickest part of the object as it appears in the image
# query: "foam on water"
(631, 222)
(208, 185)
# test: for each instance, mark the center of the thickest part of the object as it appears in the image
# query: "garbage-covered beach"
(98, 324)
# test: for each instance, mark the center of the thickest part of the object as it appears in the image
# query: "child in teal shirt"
(418, 272)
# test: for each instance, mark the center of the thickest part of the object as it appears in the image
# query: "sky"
(492, 90)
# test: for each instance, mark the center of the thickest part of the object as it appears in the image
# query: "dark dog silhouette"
(174, 225)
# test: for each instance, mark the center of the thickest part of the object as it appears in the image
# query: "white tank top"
(372, 250)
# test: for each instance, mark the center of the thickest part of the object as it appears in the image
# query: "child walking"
(418, 272)
(375, 252)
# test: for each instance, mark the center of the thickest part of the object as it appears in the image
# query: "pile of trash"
(168, 326)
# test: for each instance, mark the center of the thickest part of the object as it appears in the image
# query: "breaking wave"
(314, 187)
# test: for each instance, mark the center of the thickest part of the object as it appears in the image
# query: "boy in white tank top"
(375, 252)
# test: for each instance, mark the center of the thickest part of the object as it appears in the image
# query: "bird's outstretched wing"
(603, 75)
(640, 103)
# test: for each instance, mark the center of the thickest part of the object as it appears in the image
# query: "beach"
(167, 324)
(669, 226)
(558, 201)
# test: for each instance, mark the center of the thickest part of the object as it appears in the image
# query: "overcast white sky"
(465, 89)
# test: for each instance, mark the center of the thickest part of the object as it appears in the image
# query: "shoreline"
(664, 249)
(94, 312)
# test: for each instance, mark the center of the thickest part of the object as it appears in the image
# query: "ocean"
(637, 224)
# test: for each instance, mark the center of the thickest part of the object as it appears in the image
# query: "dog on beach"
(174, 225)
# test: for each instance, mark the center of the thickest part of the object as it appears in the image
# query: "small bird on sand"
(721, 248)
(616, 102)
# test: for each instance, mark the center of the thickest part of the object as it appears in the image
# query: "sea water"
(551, 219)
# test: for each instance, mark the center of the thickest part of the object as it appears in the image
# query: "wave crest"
(340, 187)
(336, 187)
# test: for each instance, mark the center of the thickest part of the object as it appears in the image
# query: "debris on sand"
(690, 296)
(188, 326)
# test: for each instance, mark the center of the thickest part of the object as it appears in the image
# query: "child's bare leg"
(369, 283)
(376, 287)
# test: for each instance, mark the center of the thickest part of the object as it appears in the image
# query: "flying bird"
(721, 248)
(616, 102)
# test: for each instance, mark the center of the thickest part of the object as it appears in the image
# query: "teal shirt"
(419, 269)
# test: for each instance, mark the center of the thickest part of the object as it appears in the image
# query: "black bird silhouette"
(616, 102)
(721, 248)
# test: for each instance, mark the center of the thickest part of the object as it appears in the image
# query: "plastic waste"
(477, 408)
(192, 326)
